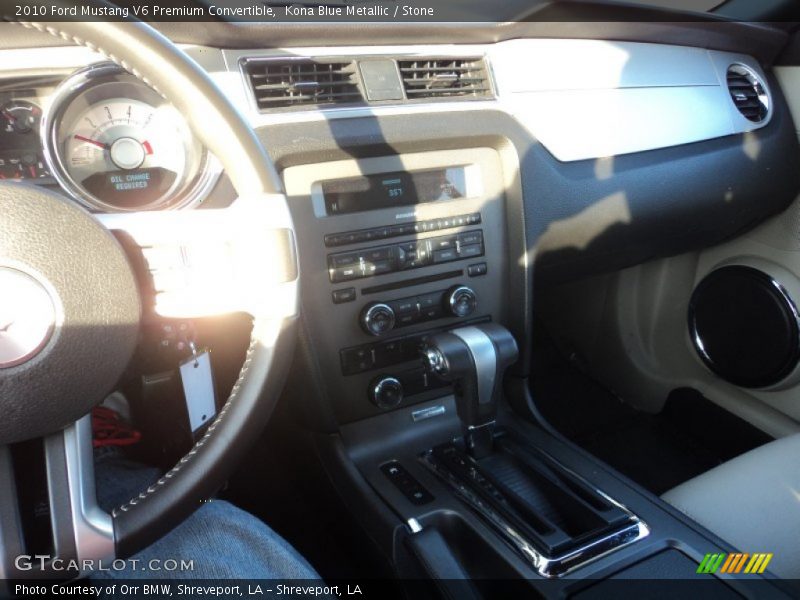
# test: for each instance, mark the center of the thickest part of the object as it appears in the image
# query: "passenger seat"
(752, 502)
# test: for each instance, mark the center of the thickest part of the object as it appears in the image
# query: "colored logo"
(734, 563)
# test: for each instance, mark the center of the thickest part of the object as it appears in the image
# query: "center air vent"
(748, 93)
(300, 82)
(444, 77)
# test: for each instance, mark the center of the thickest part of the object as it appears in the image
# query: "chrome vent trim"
(748, 93)
(445, 77)
(301, 82)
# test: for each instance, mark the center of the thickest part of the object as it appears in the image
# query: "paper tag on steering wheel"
(198, 388)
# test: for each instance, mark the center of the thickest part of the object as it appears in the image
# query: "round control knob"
(377, 319)
(386, 392)
(461, 301)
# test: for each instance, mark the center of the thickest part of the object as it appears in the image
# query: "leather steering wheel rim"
(155, 60)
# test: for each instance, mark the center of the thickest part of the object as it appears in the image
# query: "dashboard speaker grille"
(286, 83)
(444, 78)
(748, 93)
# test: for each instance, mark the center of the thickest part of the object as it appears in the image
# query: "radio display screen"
(387, 190)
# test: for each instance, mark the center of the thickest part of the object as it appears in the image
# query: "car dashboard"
(431, 186)
(402, 237)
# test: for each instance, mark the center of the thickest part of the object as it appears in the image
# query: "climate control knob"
(386, 392)
(377, 319)
(460, 301)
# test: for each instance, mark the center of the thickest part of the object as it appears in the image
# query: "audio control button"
(461, 301)
(342, 296)
(470, 237)
(429, 300)
(477, 270)
(388, 353)
(344, 260)
(379, 267)
(345, 274)
(432, 313)
(405, 306)
(377, 254)
(356, 360)
(441, 256)
(386, 392)
(444, 242)
(377, 319)
(470, 251)
(408, 319)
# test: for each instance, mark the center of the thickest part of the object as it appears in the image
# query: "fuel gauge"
(19, 116)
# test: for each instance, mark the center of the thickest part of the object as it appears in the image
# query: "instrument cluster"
(106, 139)
(21, 152)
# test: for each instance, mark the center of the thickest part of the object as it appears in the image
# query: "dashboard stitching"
(133, 502)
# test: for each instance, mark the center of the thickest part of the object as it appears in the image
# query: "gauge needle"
(147, 147)
(9, 115)
(91, 141)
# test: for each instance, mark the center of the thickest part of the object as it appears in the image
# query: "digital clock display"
(388, 190)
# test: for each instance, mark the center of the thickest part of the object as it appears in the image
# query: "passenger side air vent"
(748, 93)
(285, 83)
(444, 78)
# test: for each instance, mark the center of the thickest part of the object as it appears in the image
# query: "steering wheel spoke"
(82, 533)
(81, 529)
(208, 262)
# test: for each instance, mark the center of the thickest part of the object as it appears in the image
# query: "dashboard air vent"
(301, 82)
(748, 93)
(444, 78)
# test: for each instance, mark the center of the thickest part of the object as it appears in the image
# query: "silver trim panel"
(192, 192)
(582, 99)
(485, 357)
(92, 528)
(428, 413)
(546, 566)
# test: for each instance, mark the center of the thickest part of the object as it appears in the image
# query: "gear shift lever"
(474, 359)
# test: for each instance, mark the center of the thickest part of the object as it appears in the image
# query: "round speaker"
(744, 326)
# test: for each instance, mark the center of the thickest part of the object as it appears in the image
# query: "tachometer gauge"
(116, 145)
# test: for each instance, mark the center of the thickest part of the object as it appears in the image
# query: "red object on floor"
(110, 429)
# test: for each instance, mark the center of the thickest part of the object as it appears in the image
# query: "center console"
(414, 282)
(395, 249)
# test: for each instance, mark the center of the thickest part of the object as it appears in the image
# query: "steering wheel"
(71, 307)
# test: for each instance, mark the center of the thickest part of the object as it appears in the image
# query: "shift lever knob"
(474, 359)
